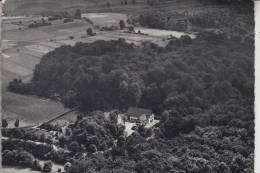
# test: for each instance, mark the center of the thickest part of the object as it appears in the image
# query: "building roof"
(134, 111)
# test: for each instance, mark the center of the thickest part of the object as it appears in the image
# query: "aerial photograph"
(127, 86)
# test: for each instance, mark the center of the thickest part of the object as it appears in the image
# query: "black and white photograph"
(128, 86)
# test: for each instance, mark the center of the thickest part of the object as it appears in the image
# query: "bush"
(55, 17)
(4, 123)
(17, 86)
(109, 28)
(131, 29)
(36, 165)
(90, 32)
(25, 159)
(186, 39)
(78, 14)
(68, 20)
(47, 167)
(122, 24)
(212, 35)
(74, 147)
(176, 125)
(9, 157)
(36, 24)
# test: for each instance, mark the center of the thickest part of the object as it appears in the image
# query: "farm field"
(30, 110)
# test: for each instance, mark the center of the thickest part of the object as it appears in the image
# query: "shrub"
(25, 159)
(18, 86)
(186, 39)
(90, 32)
(177, 124)
(9, 157)
(36, 165)
(47, 167)
(68, 20)
(122, 24)
(78, 14)
(74, 147)
(4, 123)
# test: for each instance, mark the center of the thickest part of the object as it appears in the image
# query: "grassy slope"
(30, 109)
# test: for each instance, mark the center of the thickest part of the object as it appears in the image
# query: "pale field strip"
(35, 54)
(103, 19)
(25, 60)
(50, 44)
(67, 42)
(16, 68)
(39, 48)
(6, 44)
(162, 33)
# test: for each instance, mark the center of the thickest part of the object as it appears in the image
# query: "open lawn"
(105, 19)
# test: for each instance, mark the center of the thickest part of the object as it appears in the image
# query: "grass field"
(30, 109)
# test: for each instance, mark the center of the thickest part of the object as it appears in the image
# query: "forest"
(201, 89)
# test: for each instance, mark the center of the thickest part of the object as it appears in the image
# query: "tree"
(36, 165)
(16, 123)
(122, 24)
(25, 158)
(78, 14)
(186, 39)
(70, 99)
(90, 32)
(131, 29)
(8, 157)
(177, 124)
(74, 147)
(47, 167)
(108, 4)
(92, 148)
(4, 123)
(67, 166)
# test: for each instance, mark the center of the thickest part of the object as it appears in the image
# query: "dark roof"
(134, 111)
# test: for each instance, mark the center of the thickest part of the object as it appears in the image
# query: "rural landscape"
(128, 86)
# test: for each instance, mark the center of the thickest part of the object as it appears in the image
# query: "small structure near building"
(140, 115)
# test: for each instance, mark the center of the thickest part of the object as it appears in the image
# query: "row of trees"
(24, 159)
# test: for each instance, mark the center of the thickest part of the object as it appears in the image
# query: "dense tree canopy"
(185, 75)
